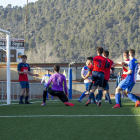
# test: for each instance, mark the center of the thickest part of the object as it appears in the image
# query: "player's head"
(47, 71)
(126, 54)
(89, 60)
(99, 50)
(56, 68)
(24, 58)
(132, 53)
(105, 53)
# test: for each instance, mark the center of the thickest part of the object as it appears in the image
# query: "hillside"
(70, 30)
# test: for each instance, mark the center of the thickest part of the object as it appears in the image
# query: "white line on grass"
(29, 116)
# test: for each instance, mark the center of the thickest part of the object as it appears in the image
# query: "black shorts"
(60, 94)
(105, 85)
(98, 78)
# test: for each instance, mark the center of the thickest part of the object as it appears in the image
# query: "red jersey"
(107, 72)
(99, 64)
(22, 67)
(90, 68)
(125, 70)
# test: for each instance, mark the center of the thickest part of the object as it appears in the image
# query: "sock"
(107, 96)
(117, 98)
(26, 98)
(47, 95)
(122, 95)
(97, 96)
(131, 97)
(44, 96)
(82, 96)
(21, 98)
(100, 95)
(120, 102)
(90, 86)
(137, 97)
(91, 95)
(52, 96)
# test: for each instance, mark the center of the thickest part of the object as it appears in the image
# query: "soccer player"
(84, 72)
(46, 79)
(23, 71)
(125, 67)
(97, 70)
(107, 75)
(57, 81)
(128, 83)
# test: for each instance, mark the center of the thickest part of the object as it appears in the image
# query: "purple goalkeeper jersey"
(57, 82)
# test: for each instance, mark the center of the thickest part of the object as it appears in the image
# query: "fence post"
(17, 91)
(2, 91)
(33, 92)
(30, 91)
(13, 91)
(70, 83)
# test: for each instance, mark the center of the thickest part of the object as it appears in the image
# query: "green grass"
(70, 128)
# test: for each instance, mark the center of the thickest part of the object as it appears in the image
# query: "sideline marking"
(29, 116)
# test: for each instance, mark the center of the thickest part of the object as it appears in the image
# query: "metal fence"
(36, 91)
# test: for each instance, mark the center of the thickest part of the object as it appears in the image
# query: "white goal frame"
(8, 65)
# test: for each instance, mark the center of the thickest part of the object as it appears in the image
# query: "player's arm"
(65, 86)
(19, 70)
(32, 73)
(22, 72)
(130, 69)
(42, 79)
(117, 64)
(112, 70)
(49, 82)
(89, 72)
(125, 66)
(129, 72)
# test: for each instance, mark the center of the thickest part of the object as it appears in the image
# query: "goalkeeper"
(57, 81)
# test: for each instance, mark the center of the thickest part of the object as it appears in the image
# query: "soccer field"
(56, 121)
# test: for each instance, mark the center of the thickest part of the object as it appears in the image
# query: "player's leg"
(106, 99)
(100, 81)
(131, 96)
(91, 95)
(117, 97)
(62, 96)
(52, 97)
(47, 96)
(83, 94)
(27, 93)
(23, 87)
(96, 98)
(44, 97)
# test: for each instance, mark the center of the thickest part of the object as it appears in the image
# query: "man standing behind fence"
(23, 71)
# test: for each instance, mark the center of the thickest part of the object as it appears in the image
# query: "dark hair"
(24, 56)
(90, 58)
(56, 68)
(132, 51)
(100, 50)
(126, 52)
(106, 53)
(47, 70)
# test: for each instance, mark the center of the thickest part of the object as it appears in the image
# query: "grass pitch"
(55, 121)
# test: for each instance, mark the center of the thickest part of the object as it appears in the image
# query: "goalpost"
(8, 65)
